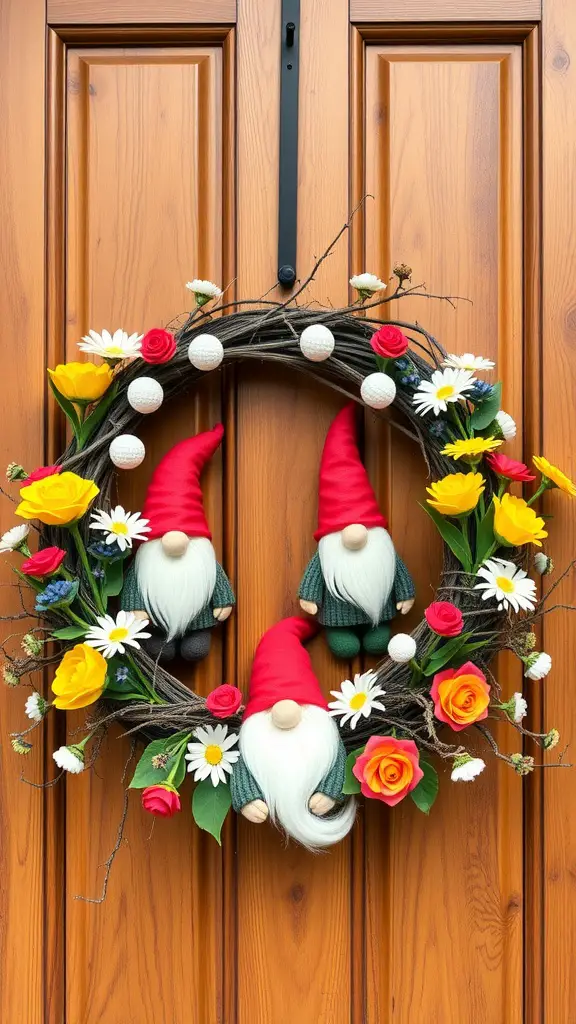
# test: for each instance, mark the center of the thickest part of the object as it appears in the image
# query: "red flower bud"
(444, 618)
(158, 346)
(161, 800)
(510, 469)
(224, 700)
(44, 562)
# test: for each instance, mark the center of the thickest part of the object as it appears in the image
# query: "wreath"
(392, 724)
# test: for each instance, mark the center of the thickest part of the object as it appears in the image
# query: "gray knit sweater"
(334, 612)
(244, 787)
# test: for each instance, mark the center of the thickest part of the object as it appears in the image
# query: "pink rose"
(224, 700)
(389, 342)
(161, 800)
(44, 562)
(158, 346)
(388, 769)
(444, 618)
(42, 472)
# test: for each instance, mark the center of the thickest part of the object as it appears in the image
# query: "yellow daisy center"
(357, 701)
(120, 529)
(445, 392)
(118, 634)
(114, 350)
(213, 754)
(505, 584)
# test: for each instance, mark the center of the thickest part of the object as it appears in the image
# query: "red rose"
(389, 342)
(161, 800)
(509, 468)
(224, 700)
(44, 562)
(44, 471)
(158, 346)
(444, 618)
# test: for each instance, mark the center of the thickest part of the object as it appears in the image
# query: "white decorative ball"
(127, 451)
(316, 343)
(205, 352)
(145, 395)
(378, 390)
(402, 648)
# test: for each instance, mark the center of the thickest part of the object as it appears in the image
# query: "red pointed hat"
(345, 494)
(174, 499)
(282, 669)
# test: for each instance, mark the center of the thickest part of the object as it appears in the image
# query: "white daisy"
(446, 386)
(36, 707)
(111, 635)
(537, 665)
(468, 362)
(467, 768)
(367, 284)
(211, 756)
(113, 347)
(357, 699)
(508, 584)
(121, 527)
(506, 424)
(203, 290)
(71, 759)
(13, 538)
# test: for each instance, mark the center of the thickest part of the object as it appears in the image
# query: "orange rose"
(461, 696)
(388, 769)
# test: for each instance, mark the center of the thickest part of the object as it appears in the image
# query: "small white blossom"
(520, 707)
(506, 424)
(203, 290)
(445, 386)
(112, 347)
(467, 768)
(13, 538)
(543, 564)
(468, 362)
(355, 700)
(537, 665)
(366, 284)
(35, 707)
(71, 759)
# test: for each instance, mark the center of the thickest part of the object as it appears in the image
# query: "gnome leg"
(159, 648)
(344, 643)
(196, 645)
(375, 640)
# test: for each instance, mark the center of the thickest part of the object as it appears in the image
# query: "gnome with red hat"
(175, 580)
(292, 760)
(355, 582)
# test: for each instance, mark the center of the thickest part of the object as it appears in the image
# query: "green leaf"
(351, 784)
(97, 415)
(210, 805)
(69, 633)
(442, 655)
(457, 543)
(468, 648)
(66, 406)
(486, 411)
(426, 791)
(485, 535)
(114, 579)
(147, 775)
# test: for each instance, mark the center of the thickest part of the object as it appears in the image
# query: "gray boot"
(196, 645)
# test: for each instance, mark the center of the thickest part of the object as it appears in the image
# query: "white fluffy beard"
(289, 765)
(175, 590)
(365, 577)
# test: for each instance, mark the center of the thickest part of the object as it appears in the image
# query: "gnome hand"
(256, 811)
(221, 614)
(141, 614)
(404, 606)
(320, 804)
(308, 606)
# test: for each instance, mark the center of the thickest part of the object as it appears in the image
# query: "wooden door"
(139, 148)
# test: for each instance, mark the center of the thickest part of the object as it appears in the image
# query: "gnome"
(175, 580)
(292, 760)
(355, 583)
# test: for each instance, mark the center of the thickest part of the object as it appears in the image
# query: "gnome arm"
(131, 599)
(243, 786)
(403, 583)
(222, 595)
(332, 783)
(312, 583)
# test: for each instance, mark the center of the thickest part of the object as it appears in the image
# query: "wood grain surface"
(140, 12)
(362, 11)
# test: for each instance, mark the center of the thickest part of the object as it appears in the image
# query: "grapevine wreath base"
(436, 680)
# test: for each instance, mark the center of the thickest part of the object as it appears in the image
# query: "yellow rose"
(556, 477)
(81, 382)
(57, 500)
(456, 494)
(515, 523)
(80, 678)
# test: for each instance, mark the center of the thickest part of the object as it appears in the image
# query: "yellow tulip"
(80, 678)
(556, 477)
(81, 382)
(456, 494)
(515, 523)
(57, 500)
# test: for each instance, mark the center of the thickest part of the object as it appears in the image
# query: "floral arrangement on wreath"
(119, 595)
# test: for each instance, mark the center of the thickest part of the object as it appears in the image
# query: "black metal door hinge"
(288, 184)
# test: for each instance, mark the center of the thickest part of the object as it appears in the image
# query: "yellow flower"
(472, 449)
(81, 382)
(57, 500)
(515, 523)
(80, 678)
(456, 494)
(556, 476)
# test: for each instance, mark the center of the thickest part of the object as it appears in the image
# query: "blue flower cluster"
(105, 552)
(121, 675)
(412, 378)
(437, 428)
(402, 363)
(56, 593)
(481, 391)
